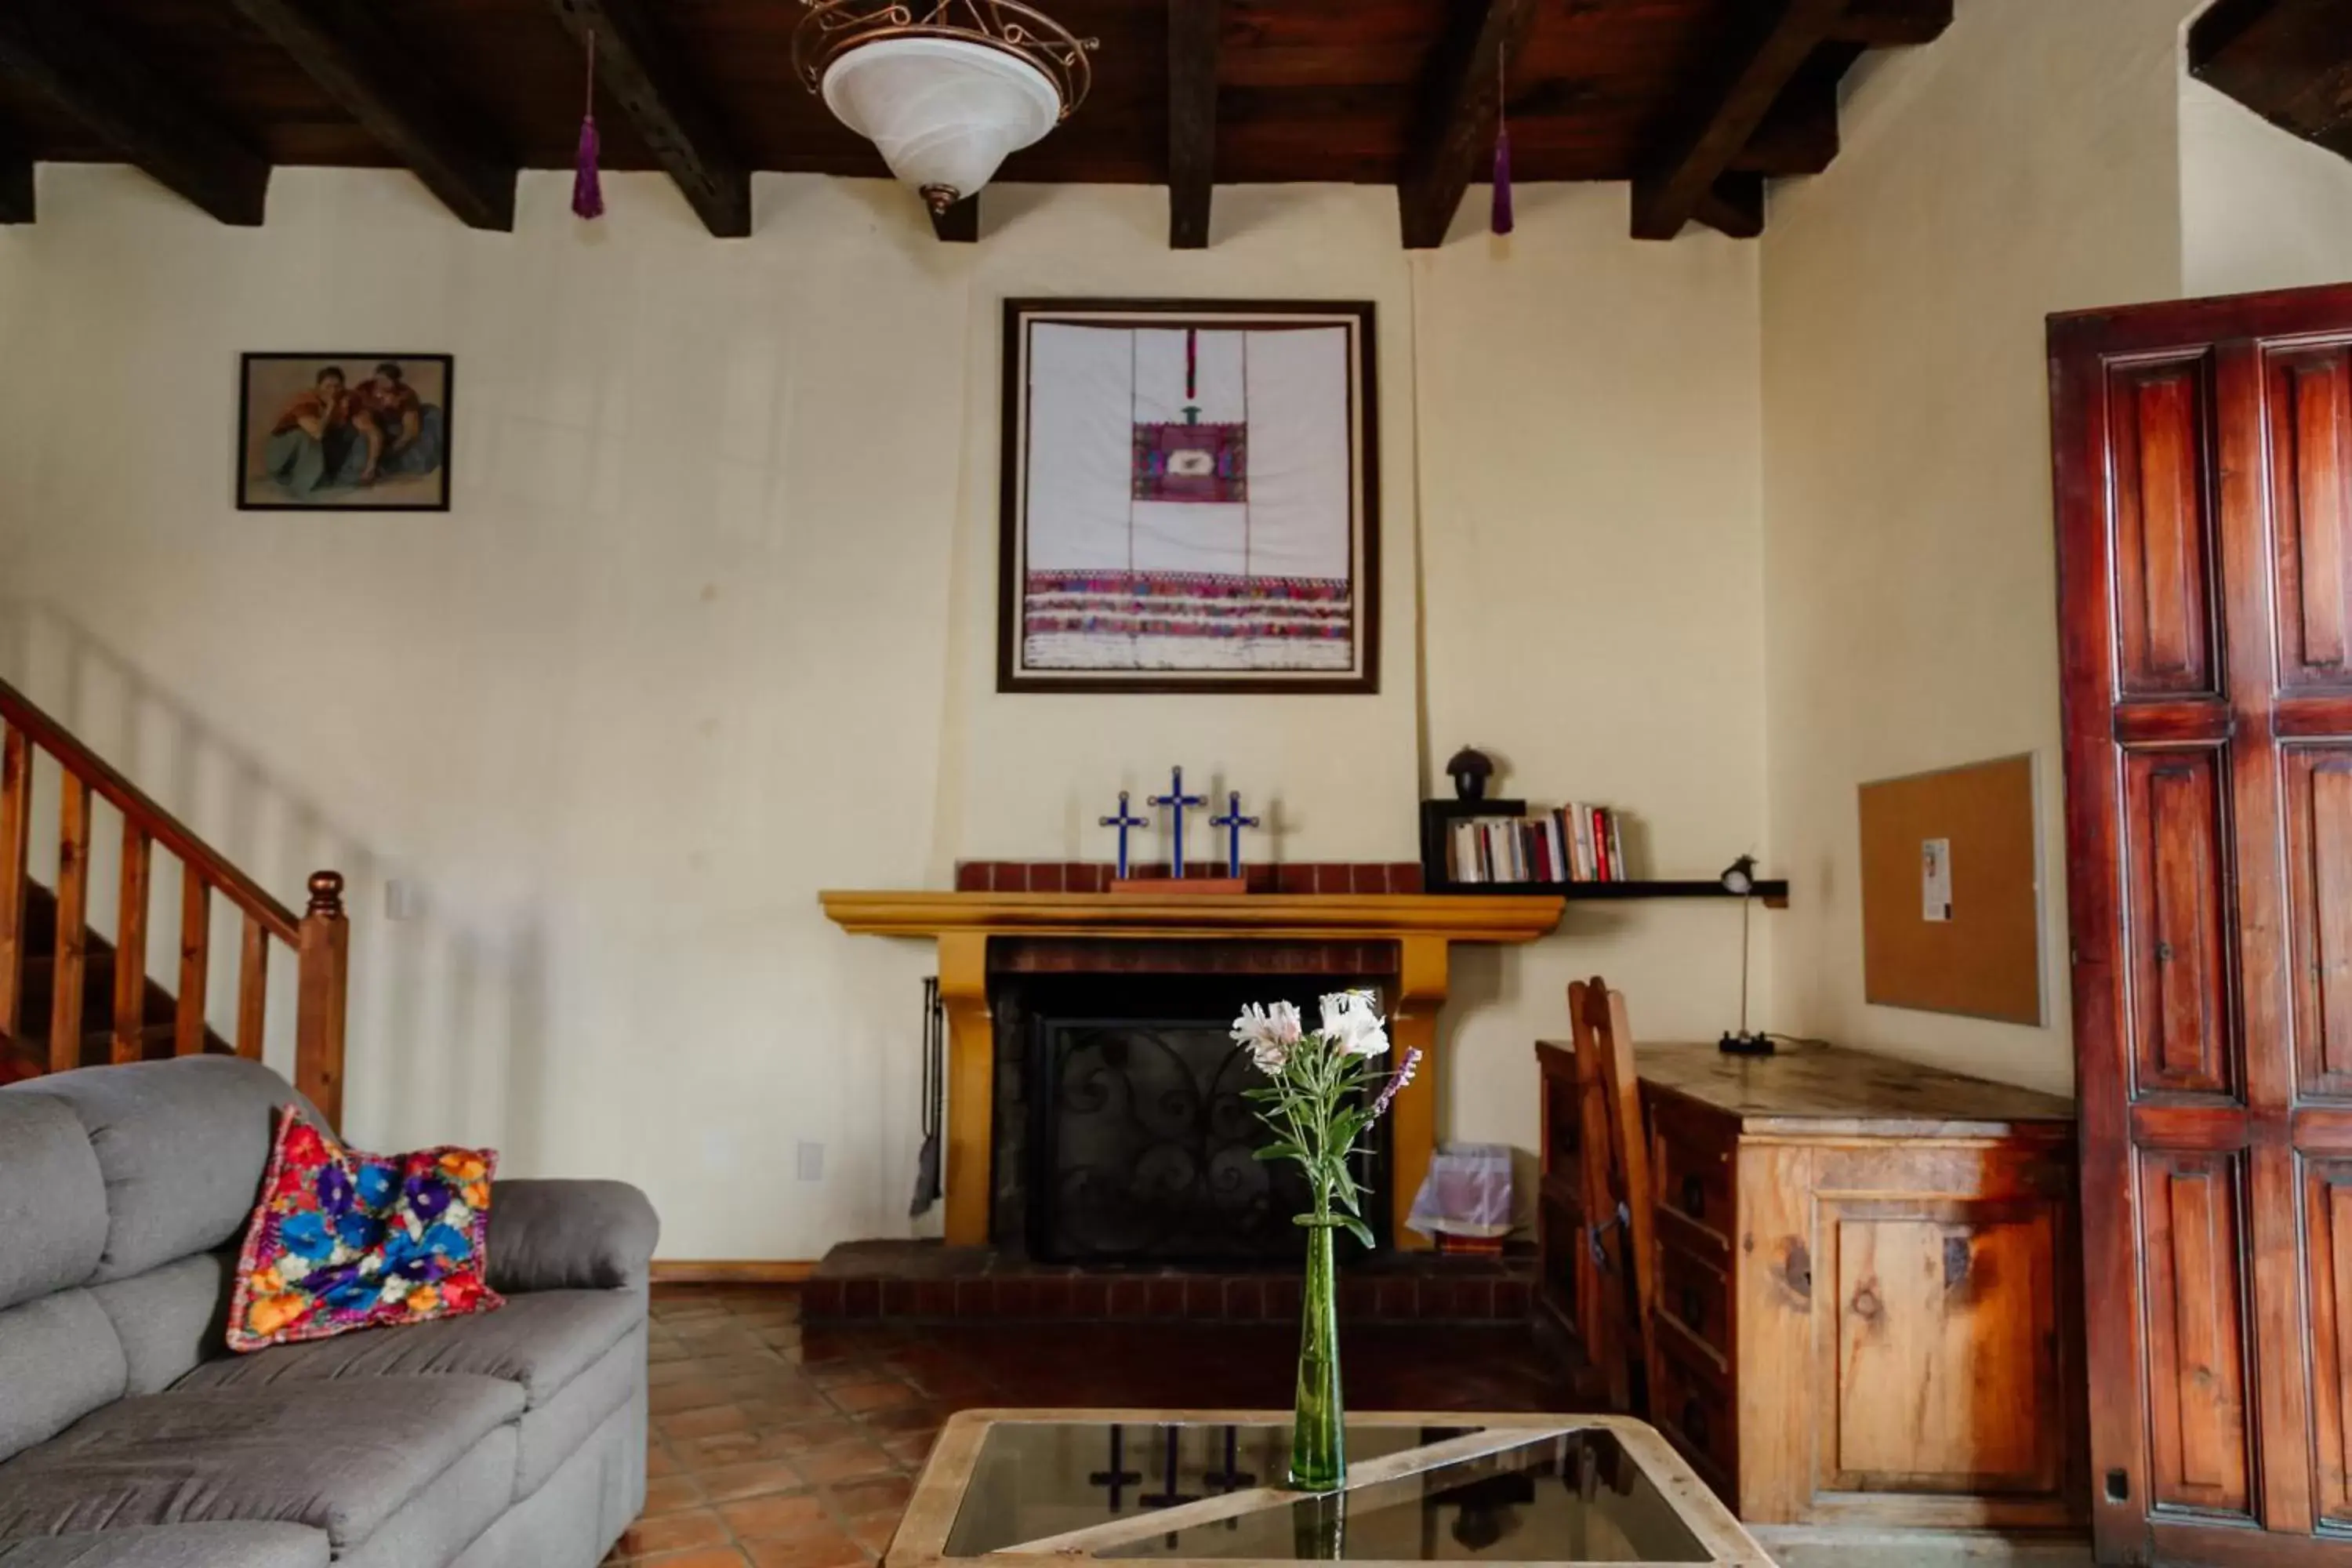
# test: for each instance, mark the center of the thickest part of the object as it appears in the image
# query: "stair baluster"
(130, 945)
(73, 924)
(15, 844)
(252, 989)
(195, 962)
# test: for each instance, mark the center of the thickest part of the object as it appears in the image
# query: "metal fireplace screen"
(1141, 1148)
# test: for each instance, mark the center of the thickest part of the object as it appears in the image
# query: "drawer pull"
(1693, 1308)
(1693, 1197)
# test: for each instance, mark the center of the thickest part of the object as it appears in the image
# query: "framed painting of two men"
(335, 432)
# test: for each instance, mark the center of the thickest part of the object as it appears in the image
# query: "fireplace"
(1121, 1132)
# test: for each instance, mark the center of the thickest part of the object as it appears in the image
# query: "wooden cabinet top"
(1828, 1090)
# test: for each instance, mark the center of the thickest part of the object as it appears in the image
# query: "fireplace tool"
(927, 1161)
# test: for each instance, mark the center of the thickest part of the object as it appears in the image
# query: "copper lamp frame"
(832, 28)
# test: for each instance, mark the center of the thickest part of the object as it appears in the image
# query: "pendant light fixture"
(946, 88)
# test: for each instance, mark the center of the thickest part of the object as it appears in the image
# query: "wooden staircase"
(70, 998)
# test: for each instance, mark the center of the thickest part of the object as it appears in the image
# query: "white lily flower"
(1270, 1032)
(1352, 1022)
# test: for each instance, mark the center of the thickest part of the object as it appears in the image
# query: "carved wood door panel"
(2204, 469)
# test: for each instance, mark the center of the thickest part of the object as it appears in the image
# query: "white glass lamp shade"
(945, 113)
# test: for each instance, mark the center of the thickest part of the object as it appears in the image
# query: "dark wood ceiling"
(2290, 61)
(1699, 100)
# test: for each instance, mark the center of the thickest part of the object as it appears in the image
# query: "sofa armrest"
(570, 1236)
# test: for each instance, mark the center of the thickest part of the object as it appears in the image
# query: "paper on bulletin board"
(1935, 879)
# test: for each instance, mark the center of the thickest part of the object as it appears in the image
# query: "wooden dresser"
(1868, 1287)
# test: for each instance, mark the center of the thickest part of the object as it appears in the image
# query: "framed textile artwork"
(344, 432)
(1190, 496)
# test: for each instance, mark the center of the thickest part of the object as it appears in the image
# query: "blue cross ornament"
(1178, 803)
(1124, 821)
(1233, 822)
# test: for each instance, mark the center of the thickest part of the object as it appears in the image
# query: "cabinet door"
(1942, 1370)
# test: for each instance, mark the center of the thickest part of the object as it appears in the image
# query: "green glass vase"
(1318, 1448)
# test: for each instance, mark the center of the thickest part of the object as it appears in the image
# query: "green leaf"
(1283, 1150)
(1360, 1230)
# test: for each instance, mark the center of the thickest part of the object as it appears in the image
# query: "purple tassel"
(1502, 178)
(587, 190)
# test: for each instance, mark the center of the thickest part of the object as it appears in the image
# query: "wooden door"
(2204, 469)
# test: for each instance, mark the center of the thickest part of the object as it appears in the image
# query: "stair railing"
(320, 937)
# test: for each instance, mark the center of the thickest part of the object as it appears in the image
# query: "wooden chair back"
(1618, 1196)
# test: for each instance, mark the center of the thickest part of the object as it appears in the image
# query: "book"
(1566, 844)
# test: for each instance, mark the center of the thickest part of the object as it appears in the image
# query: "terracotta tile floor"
(783, 1450)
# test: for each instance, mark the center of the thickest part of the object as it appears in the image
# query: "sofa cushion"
(169, 1319)
(342, 1457)
(173, 1546)
(52, 1198)
(182, 1144)
(538, 1342)
(58, 1362)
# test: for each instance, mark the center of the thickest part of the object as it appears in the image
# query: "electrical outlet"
(811, 1162)
(402, 900)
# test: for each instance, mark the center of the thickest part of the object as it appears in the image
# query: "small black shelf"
(1436, 814)
(1770, 892)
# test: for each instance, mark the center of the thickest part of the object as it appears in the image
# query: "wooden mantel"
(1424, 928)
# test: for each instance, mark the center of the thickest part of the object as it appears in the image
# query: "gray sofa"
(130, 1438)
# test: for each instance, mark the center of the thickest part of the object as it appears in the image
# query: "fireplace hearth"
(1123, 1136)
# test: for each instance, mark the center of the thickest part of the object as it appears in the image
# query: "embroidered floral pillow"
(342, 1241)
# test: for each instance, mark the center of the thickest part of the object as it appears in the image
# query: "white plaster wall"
(2027, 163)
(2259, 209)
(1592, 564)
(712, 626)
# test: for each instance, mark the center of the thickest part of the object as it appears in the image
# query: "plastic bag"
(1466, 1193)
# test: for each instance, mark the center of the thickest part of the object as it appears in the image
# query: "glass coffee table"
(1203, 1487)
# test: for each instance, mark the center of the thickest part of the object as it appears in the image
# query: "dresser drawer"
(1693, 1175)
(1694, 1300)
(1695, 1411)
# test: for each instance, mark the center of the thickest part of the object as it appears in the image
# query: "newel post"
(319, 1008)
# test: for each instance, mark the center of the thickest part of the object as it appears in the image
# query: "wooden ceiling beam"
(637, 66)
(1892, 24)
(56, 48)
(1192, 27)
(1683, 182)
(343, 46)
(960, 224)
(1734, 205)
(15, 182)
(1462, 95)
(1800, 135)
(2290, 61)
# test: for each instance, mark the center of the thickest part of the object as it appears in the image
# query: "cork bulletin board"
(1951, 911)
